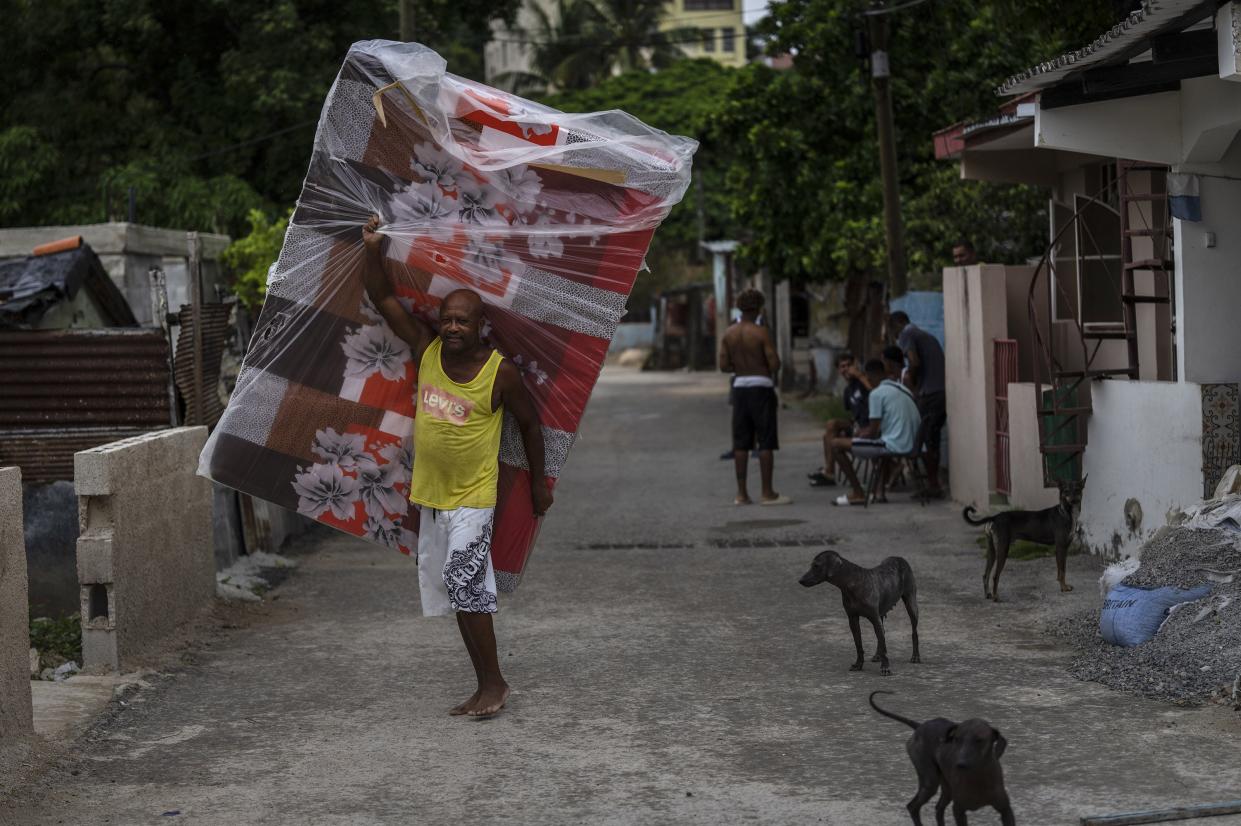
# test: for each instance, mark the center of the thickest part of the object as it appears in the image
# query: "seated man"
(855, 396)
(891, 431)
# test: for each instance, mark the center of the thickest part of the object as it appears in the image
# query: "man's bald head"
(461, 321)
(468, 300)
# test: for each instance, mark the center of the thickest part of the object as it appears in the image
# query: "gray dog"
(870, 593)
(961, 758)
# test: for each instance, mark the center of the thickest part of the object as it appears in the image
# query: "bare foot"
(465, 707)
(490, 700)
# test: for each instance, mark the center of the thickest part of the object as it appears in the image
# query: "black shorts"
(934, 412)
(754, 418)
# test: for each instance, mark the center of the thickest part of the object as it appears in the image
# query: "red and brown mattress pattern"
(546, 215)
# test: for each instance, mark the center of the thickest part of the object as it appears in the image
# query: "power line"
(887, 10)
(252, 141)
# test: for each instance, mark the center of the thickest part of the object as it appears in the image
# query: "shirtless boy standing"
(747, 351)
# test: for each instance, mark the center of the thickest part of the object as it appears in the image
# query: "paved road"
(667, 666)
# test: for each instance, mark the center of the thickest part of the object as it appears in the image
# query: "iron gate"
(1005, 372)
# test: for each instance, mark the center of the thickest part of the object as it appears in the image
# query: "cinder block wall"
(145, 557)
(15, 711)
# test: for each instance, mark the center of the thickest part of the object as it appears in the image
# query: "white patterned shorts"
(454, 561)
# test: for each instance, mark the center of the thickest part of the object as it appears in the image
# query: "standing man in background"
(748, 352)
(924, 375)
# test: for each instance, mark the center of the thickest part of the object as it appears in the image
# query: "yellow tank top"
(456, 436)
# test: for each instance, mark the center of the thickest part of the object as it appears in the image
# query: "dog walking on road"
(962, 759)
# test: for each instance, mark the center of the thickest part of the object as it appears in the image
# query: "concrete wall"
(1017, 321)
(1025, 459)
(15, 709)
(1209, 287)
(975, 314)
(1144, 444)
(145, 558)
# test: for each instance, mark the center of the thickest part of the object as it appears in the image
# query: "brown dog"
(1051, 526)
(962, 759)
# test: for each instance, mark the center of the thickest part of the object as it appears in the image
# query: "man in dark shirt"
(855, 397)
(924, 375)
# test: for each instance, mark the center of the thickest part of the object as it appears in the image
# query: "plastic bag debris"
(546, 215)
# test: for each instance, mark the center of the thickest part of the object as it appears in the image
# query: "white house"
(1133, 319)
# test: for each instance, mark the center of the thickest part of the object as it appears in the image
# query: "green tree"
(27, 163)
(207, 108)
(803, 173)
(251, 256)
(555, 44)
(682, 100)
(581, 42)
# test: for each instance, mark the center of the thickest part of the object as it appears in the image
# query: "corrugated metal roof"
(62, 378)
(47, 455)
(67, 390)
(1152, 18)
(215, 334)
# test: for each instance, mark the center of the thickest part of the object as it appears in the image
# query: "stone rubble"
(1196, 654)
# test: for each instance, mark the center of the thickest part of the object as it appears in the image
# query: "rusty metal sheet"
(62, 391)
(47, 455)
(214, 337)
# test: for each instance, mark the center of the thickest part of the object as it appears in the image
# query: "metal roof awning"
(1122, 42)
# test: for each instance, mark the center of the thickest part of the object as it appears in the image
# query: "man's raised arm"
(516, 400)
(415, 332)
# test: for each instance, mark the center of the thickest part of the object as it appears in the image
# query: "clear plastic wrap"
(546, 215)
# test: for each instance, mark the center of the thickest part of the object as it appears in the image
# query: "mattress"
(544, 214)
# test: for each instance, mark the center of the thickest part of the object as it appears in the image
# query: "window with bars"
(708, 39)
(709, 5)
(728, 40)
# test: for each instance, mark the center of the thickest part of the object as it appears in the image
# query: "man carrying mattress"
(464, 389)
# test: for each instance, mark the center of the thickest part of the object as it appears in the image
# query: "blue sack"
(1132, 615)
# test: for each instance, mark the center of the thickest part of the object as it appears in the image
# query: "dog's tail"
(895, 717)
(969, 509)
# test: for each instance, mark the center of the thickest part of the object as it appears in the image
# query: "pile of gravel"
(1196, 655)
(1181, 557)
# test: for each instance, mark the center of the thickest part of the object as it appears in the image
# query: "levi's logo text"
(446, 406)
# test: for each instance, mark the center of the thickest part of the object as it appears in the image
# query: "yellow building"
(720, 24)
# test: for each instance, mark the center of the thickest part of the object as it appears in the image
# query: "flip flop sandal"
(843, 500)
(779, 500)
(820, 480)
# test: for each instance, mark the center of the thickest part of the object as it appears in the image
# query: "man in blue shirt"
(891, 430)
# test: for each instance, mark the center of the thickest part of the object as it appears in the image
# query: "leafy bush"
(57, 638)
(251, 256)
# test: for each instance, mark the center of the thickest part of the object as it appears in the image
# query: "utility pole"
(700, 208)
(880, 74)
(406, 12)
